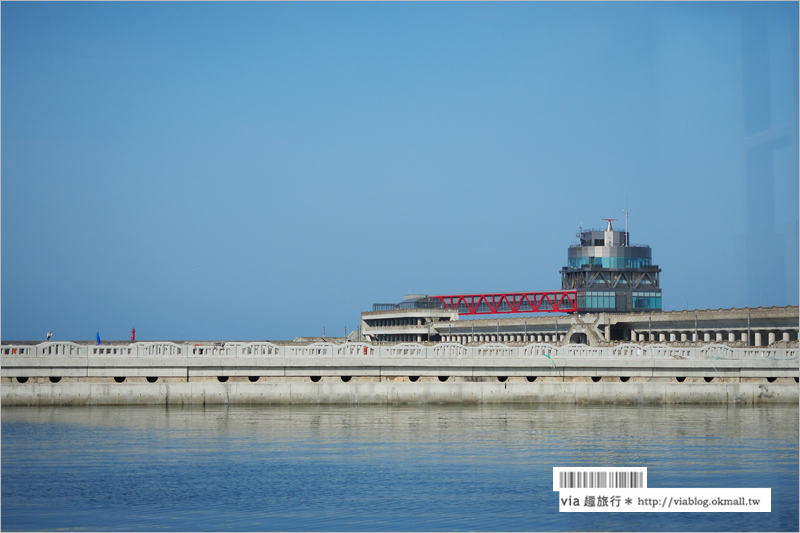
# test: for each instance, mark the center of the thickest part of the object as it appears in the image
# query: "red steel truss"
(512, 302)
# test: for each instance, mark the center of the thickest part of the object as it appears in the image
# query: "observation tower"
(611, 275)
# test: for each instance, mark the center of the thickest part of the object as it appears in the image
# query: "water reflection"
(377, 467)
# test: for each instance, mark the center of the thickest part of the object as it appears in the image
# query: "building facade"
(611, 275)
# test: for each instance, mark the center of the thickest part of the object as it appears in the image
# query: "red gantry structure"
(511, 302)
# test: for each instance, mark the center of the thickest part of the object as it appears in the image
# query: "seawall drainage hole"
(596, 378)
(119, 379)
(253, 379)
(415, 378)
(531, 378)
(222, 379)
(345, 378)
(152, 379)
(54, 379)
(443, 378)
(315, 379)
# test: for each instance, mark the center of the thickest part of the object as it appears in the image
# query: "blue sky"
(264, 170)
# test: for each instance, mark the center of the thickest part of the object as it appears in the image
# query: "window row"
(597, 300)
(647, 300)
(610, 262)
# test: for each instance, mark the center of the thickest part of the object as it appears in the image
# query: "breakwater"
(152, 373)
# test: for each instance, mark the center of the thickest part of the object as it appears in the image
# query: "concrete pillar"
(731, 336)
(608, 332)
(662, 337)
(786, 336)
(744, 337)
(634, 336)
(539, 338)
(719, 336)
(707, 336)
(757, 339)
(684, 336)
(771, 337)
(419, 338)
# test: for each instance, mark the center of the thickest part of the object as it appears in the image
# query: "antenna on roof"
(626, 221)
(610, 220)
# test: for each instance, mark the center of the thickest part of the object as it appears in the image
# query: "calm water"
(431, 468)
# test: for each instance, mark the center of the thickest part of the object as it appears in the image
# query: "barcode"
(599, 478)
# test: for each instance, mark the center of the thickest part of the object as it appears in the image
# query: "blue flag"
(98, 338)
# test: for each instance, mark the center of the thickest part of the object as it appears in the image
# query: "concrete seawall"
(389, 392)
(362, 373)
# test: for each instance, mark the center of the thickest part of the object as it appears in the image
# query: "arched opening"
(771, 380)
(253, 379)
(531, 379)
(413, 378)
(22, 380)
(152, 379)
(443, 378)
(54, 379)
(501, 379)
(345, 378)
(315, 379)
(578, 338)
(596, 378)
(119, 379)
(709, 380)
(680, 379)
(624, 379)
(222, 379)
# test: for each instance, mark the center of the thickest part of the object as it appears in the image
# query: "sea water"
(380, 468)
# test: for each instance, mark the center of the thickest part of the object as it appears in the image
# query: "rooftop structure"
(611, 275)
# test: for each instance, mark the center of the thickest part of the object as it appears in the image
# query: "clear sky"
(266, 170)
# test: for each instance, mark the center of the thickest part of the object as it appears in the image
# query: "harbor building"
(610, 275)
(742, 327)
(610, 293)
